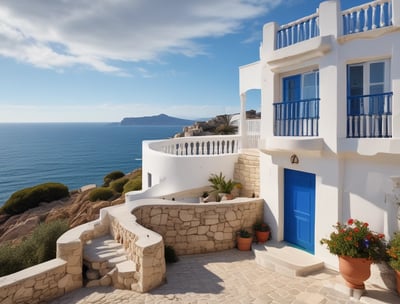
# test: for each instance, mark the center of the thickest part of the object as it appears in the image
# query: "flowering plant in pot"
(393, 252)
(262, 231)
(356, 245)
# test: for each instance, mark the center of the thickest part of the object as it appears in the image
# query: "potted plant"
(262, 231)
(357, 248)
(204, 197)
(393, 251)
(244, 240)
(221, 186)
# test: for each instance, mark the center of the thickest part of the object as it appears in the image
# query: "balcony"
(369, 116)
(367, 17)
(296, 118)
(198, 145)
(363, 18)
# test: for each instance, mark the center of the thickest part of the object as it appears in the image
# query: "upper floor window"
(368, 78)
(301, 86)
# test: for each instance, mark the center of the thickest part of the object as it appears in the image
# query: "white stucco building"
(329, 140)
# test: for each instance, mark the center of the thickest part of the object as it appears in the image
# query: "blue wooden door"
(299, 209)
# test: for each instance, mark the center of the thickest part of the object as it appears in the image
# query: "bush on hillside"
(118, 184)
(35, 249)
(111, 177)
(100, 194)
(133, 185)
(31, 197)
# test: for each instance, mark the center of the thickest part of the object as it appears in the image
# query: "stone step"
(285, 259)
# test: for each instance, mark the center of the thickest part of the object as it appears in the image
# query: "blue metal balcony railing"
(369, 115)
(300, 30)
(367, 17)
(296, 118)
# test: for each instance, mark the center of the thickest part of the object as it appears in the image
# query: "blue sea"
(75, 154)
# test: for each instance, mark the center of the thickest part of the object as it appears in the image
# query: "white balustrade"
(198, 145)
(366, 17)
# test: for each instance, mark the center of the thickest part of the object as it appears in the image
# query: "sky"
(103, 60)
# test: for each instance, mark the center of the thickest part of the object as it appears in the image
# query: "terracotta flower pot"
(244, 244)
(398, 281)
(262, 236)
(355, 271)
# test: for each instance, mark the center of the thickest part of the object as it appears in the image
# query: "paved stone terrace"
(231, 277)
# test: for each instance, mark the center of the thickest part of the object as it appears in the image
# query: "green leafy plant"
(220, 185)
(101, 194)
(243, 233)
(31, 197)
(356, 240)
(170, 255)
(37, 248)
(133, 185)
(111, 177)
(393, 251)
(261, 226)
(118, 184)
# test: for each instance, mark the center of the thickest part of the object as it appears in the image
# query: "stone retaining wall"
(35, 284)
(200, 228)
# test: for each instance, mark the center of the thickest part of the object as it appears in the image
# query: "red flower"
(365, 225)
(350, 221)
(356, 230)
(381, 235)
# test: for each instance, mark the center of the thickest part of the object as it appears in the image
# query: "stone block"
(230, 215)
(185, 216)
(219, 236)
(203, 229)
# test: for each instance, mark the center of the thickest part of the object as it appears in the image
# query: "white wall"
(178, 173)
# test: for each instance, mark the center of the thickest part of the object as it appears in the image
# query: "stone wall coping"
(127, 220)
(73, 235)
(31, 272)
(165, 202)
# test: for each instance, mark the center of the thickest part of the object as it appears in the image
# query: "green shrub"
(133, 185)
(35, 249)
(28, 198)
(111, 177)
(45, 238)
(170, 255)
(100, 194)
(118, 184)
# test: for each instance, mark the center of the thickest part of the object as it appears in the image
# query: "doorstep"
(285, 259)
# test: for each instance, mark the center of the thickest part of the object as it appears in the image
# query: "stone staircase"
(285, 259)
(247, 172)
(106, 263)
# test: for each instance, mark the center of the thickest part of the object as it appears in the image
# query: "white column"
(392, 217)
(243, 123)
(396, 12)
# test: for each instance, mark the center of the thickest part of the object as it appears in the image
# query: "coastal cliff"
(77, 209)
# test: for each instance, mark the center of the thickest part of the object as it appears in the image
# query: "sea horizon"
(71, 153)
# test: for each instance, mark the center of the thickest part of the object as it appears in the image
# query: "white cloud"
(62, 33)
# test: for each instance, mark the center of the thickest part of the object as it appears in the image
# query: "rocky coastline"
(77, 209)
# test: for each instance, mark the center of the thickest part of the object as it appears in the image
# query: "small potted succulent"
(244, 240)
(262, 231)
(393, 251)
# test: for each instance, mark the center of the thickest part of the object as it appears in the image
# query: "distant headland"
(156, 120)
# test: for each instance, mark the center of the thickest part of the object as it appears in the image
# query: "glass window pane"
(356, 76)
(376, 89)
(377, 72)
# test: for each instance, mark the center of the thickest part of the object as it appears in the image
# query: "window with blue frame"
(301, 86)
(369, 99)
(367, 83)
